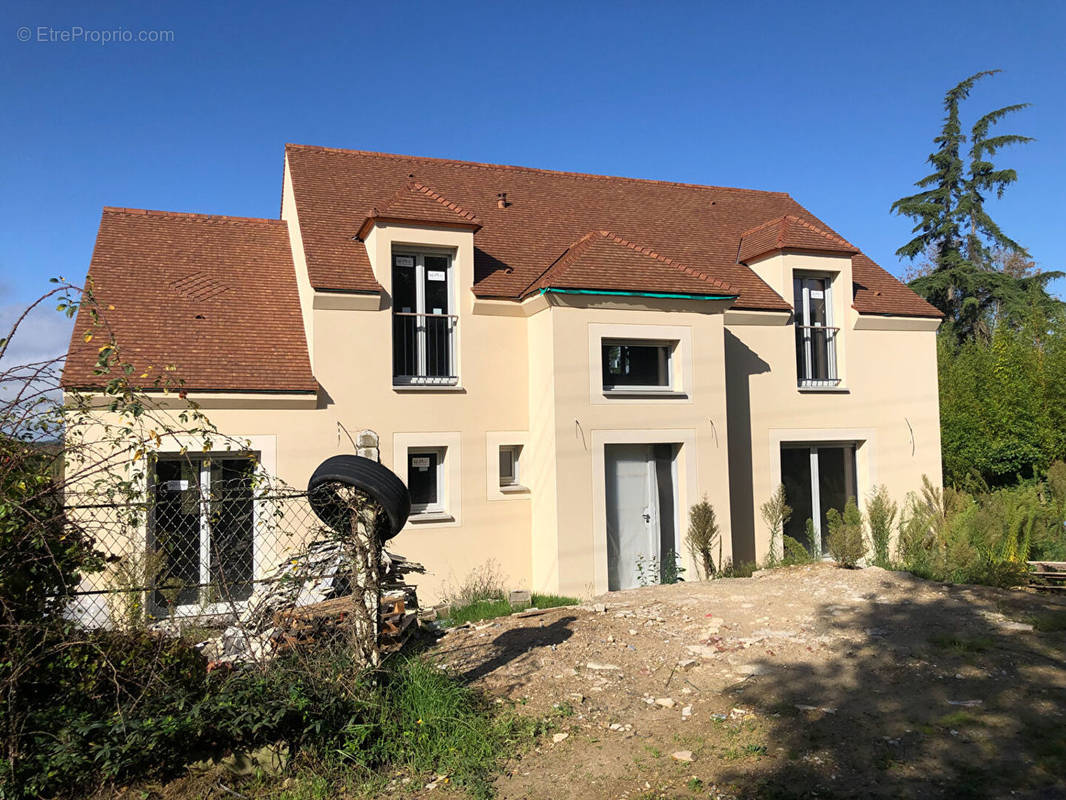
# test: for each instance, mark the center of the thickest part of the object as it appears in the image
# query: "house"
(559, 364)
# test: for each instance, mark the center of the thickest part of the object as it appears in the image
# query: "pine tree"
(953, 227)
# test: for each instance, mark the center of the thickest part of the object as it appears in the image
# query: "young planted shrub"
(881, 512)
(795, 552)
(775, 513)
(703, 537)
(847, 545)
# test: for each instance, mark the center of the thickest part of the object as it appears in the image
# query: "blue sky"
(834, 103)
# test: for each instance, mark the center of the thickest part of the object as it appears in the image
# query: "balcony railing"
(423, 349)
(816, 356)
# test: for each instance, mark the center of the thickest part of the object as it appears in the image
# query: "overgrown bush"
(951, 535)
(704, 538)
(881, 513)
(775, 513)
(846, 543)
(122, 706)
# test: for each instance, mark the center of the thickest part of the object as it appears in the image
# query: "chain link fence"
(197, 549)
(215, 550)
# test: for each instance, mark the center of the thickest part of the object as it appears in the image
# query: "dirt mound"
(807, 680)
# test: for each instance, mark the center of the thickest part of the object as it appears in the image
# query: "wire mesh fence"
(207, 542)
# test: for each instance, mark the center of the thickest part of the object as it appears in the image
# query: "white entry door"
(632, 494)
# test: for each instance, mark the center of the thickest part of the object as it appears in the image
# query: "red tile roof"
(878, 292)
(420, 204)
(547, 211)
(789, 233)
(602, 261)
(213, 296)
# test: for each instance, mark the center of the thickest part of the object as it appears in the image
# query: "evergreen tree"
(965, 244)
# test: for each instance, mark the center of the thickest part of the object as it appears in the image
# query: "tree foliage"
(1003, 403)
(965, 245)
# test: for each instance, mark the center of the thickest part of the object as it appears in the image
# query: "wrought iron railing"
(423, 348)
(816, 359)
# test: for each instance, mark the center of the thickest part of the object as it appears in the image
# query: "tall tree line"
(1002, 348)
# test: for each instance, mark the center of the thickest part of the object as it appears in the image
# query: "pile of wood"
(1048, 575)
(299, 626)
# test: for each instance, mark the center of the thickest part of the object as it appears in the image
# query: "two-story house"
(559, 365)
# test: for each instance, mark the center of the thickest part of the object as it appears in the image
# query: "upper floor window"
(635, 364)
(423, 327)
(816, 361)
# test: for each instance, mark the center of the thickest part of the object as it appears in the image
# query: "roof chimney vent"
(501, 200)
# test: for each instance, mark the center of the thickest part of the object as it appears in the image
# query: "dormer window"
(816, 361)
(423, 327)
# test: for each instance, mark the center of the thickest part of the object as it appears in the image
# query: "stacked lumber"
(1047, 575)
(303, 625)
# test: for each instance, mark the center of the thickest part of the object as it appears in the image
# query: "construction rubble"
(310, 598)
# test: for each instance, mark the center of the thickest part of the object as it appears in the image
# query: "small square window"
(636, 364)
(509, 456)
(425, 479)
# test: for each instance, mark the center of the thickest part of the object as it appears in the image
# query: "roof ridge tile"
(190, 215)
(519, 168)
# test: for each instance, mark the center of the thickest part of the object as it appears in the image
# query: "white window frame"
(667, 346)
(439, 506)
(514, 479)
(201, 607)
(802, 315)
(422, 366)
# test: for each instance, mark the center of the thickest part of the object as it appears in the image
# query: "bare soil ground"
(801, 682)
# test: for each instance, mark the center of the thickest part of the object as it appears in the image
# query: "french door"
(816, 478)
(423, 327)
(202, 532)
(816, 362)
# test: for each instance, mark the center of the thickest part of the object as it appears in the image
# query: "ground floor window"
(425, 479)
(816, 477)
(509, 456)
(201, 531)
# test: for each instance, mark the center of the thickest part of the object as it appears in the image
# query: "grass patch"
(1051, 622)
(553, 600)
(492, 608)
(958, 719)
(962, 644)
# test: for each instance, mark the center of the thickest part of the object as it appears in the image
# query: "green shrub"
(881, 512)
(703, 537)
(99, 706)
(113, 707)
(795, 552)
(846, 543)
(743, 569)
(775, 513)
(951, 535)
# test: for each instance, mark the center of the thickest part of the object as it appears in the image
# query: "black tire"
(381, 483)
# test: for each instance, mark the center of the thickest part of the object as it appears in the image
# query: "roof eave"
(371, 221)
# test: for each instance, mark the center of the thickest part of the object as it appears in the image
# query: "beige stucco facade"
(529, 376)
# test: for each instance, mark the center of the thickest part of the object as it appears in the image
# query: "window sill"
(514, 488)
(824, 389)
(430, 516)
(650, 393)
(428, 387)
